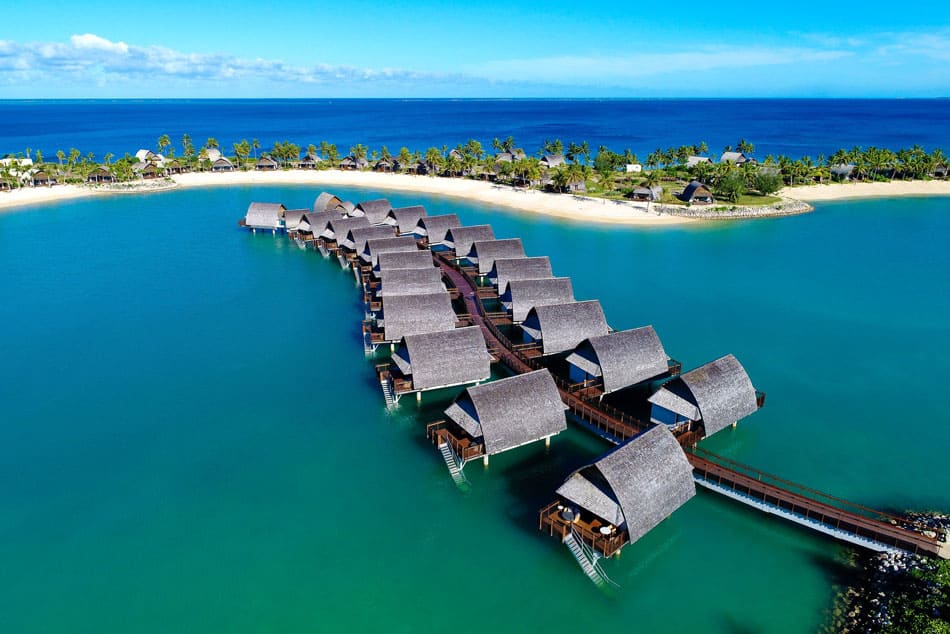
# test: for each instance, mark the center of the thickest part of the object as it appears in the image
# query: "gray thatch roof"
(398, 260)
(721, 392)
(327, 202)
(522, 295)
(337, 228)
(733, 157)
(461, 238)
(510, 412)
(440, 359)
(405, 219)
(484, 252)
(266, 161)
(692, 161)
(552, 160)
(648, 477)
(316, 222)
(417, 314)
(264, 215)
(622, 358)
(418, 281)
(374, 210)
(561, 327)
(347, 207)
(694, 189)
(507, 269)
(375, 246)
(842, 169)
(435, 227)
(356, 238)
(647, 193)
(292, 218)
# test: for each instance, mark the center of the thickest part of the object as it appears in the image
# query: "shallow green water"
(192, 441)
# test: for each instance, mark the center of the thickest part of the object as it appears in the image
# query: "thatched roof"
(353, 162)
(440, 359)
(692, 161)
(347, 207)
(327, 202)
(461, 238)
(405, 219)
(222, 163)
(419, 281)
(435, 227)
(521, 296)
(416, 314)
(337, 228)
(375, 246)
(646, 479)
(693, 190)
(507, 269)
(356, 238)
(647, 193)
(316, 222)
(266, 161)
(510, 412)
(552, 160)
(842, 169)
(560, 327)
(733, 157)
(622, 358)
(264, 215)
(292, 218)
(720, 392)
(484, 252)
(397, 260)
(374, 210)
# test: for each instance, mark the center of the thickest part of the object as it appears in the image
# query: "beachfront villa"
(502, 415)
(505, 270)
(717, 394)
(520, 296)
(266, 164)
(484, 252)
(352, 163)
(561, 327)
(310, 161)
(697, 194)
(222, 164)
(549, 161)
(100, 174)
(622, 496)
(643, 193)
(619, 359)
(693, 161)
(737, 158)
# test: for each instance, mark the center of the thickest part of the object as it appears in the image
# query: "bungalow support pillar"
(418, 397)
(485, 460)
(547, 442)
(735, 424)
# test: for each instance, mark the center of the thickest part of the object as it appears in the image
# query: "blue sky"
(296, 48)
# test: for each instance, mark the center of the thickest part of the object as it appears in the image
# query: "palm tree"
(256, 145)
(212, 142)
(434, 160)
(358, 151)
(60, 155)
(163, 142)
(108, 157)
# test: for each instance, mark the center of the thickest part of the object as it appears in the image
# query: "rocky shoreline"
(787, 207)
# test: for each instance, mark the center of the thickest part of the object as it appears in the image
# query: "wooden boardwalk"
(838, 518)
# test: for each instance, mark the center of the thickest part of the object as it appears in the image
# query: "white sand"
(843, 191)
(559, 205)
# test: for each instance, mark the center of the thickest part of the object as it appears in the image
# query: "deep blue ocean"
(796, 127)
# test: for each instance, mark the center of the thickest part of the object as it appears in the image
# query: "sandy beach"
(530, 201)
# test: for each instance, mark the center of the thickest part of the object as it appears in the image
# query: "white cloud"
(94, 42)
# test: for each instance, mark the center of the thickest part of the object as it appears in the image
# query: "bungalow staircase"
(453, 463)
(388, 393)
(587, 559)
(322, 248)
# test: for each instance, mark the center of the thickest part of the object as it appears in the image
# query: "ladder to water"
(453, 463)
(587, 560)
(388, 394)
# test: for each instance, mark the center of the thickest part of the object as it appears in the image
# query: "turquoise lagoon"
(192, 441)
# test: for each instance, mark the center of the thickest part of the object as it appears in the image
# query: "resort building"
(403, 315)
(484, 252)
(266, 164)
(398, 260)
(647, 194)
(100, 174)
(383, 165)
(549, 161)
(415, 281)
(561, 327)
(633, 168)
(520, 296)
(693, 161)
(619, 359)
(267, 216)
(310, 161)
(328, 202)
(717, 395)
(434, 228)
(436, 360)
(735, 157)
(621, 497)
(337, 228)
(375, 246)
(697, 194)
(510, 156)
(212, 153)
(221, 164)
(460, 239)
(355, 239)
(351, 163)
(145, 156)
(499, 416)
(405, 219)
(314, 223)
(375, 211)
(147, 170)
(505, 270)
(293, 218)
(842, 171)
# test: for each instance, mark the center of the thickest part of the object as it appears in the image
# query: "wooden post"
(485, 460)
(735, 424)
(418, 397)
(547, 442)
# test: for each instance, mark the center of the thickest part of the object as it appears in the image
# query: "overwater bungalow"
(266, 216)
(549, 161)
(399, 260)
(499, 416)
(222, 164)
(715, 395)
(561, 327)
(460, 239)
(505, 270)
(314, 223)
(266, 164)
(372, 248)
(310, 161)
(353, 243)
(328, 202)
(436, 360)
(621, 497)
(520, 296)
(351, 163)
(405, 219)
(434, 228)
(415, 281)
(100, 174)
(337, 228)
(373, 210)
(693, 161)
(293, 218)
(484, 252)
(348, 207)
(697, 194)
(403, 315)
(619, 360)
(647, 194)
